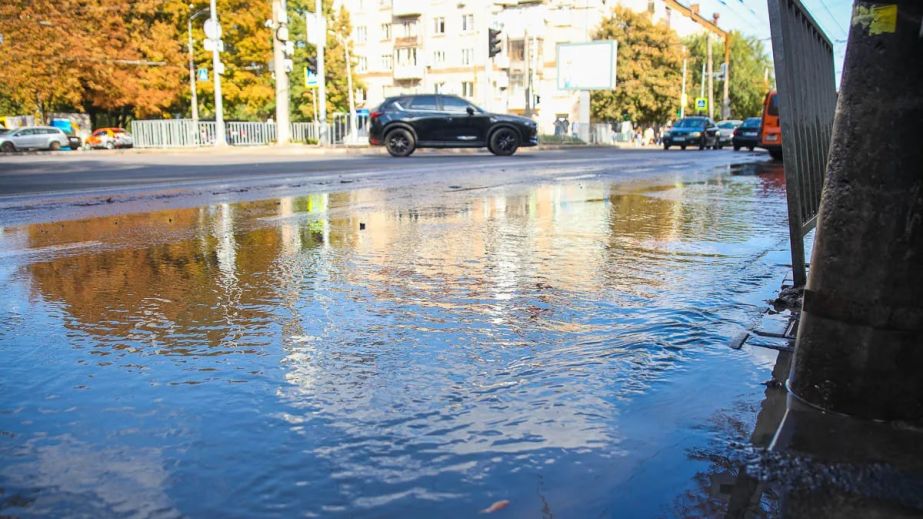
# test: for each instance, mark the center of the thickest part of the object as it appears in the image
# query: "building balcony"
(404, 72)
(407, 41)
(406, 7)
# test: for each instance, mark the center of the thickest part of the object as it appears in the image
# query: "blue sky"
(751, 17)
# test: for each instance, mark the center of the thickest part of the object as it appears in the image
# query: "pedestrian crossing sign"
(701, 104)
(202, 74)
(310, 78)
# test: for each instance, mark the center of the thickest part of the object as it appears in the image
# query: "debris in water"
(496, 507)
(361, 226)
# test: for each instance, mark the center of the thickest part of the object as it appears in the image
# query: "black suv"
(405, 123)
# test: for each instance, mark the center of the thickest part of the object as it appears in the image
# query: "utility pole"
(353, 123)
(860, 341)
(217, 69)
(726, 101)
(319, 43)
(711, 82)
(281, 67)
(702, 88)
(192, 78)
(682, 98)
(527, 57)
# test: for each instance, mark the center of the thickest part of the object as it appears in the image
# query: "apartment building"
(416, 46)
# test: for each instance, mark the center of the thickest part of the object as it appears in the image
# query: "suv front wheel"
(504, 142)
(399, 142)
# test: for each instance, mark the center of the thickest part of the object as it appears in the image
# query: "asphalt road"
(40, 187)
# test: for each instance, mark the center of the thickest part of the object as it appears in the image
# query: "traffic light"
(493, 42)
(312, 64)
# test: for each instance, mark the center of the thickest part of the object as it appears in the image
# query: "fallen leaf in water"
(497, 506)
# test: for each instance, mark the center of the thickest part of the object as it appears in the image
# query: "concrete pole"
(682, 98)
(711, 82)
(726, 99)
(352, 95)
(321, 76)
(192, 89)
(860, 341)
(220, 137)
(279, 28)
(527, 57)
(702, 87)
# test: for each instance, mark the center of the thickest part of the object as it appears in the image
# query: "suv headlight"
(695, 134)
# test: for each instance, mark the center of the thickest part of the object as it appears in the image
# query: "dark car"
(692, 131)
(404, 123)
(747, 135)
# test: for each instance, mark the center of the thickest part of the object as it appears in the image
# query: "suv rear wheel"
(504, 142)
(7, 147)
(400, 142)
(54, 146)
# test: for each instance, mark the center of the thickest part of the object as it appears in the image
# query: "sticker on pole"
(701, 104)
(212, 29)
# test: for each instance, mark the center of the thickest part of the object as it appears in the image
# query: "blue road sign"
(202, 74)
(310, 78)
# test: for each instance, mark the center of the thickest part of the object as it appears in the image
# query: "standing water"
(532, 351)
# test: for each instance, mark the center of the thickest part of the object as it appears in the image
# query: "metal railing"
(184, 133)
(806, 98)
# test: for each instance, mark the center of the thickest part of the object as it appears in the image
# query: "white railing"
(184, 133)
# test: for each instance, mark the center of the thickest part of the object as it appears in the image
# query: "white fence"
(185, 133)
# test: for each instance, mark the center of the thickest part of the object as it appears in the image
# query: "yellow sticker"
(878, 19)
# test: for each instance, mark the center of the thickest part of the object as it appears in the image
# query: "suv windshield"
(690, 123)
(752, 122)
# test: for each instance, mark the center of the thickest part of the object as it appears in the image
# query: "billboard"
(587, 66)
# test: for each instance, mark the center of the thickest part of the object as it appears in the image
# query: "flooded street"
(389, 352)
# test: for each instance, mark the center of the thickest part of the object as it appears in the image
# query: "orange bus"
(770, 130)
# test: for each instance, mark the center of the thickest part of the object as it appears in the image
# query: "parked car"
(75, 141)
(403, 124)
(726, 131)
(33, 138)
(692, 131)
(747, 135)
(110, 138)
(770, 127)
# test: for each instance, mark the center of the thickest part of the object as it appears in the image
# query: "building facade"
(441, 46)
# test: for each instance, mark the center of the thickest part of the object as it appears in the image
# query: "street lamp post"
(192, 79)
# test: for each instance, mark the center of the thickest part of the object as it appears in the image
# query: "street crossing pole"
(217, 69)
(711, 79)
(682, 98)
(281, 66)
(321, 77)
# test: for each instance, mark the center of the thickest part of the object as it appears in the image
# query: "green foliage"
(749, 64)
(649, 72)
(334, 61)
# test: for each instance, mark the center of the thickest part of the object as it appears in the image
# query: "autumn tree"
(750, 66)
(649, 75)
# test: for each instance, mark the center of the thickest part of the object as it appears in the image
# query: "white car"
(34, 138)
(726, 131)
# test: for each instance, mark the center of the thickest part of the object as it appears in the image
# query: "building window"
(439, 25)
(387, 61)
(517, 50)
(361, 34)
(467, 89)
(439, 57)
(467, 56)
(386, 31)
(407, 29)
(407, 56)
(363, 64)
(467, 22)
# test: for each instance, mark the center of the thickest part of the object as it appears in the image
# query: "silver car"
(726, 131)
(34, 138)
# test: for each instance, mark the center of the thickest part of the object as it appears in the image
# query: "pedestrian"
(649, 136)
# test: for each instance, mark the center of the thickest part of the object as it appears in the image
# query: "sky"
(751, 17)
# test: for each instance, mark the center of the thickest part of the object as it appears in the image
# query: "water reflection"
(430, 350)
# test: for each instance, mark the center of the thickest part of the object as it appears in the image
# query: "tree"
(338, 24)
(749, 65)
(649, 77)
